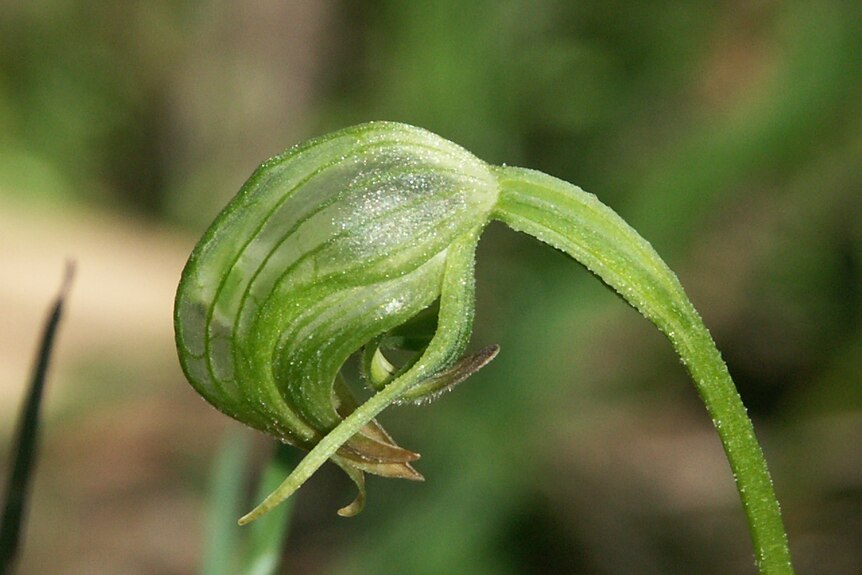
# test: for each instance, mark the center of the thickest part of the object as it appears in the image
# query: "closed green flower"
(326, 248)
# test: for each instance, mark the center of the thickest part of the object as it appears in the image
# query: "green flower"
(364, 241)
(325, 250)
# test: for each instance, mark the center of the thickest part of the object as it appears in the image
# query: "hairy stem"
(575, 222)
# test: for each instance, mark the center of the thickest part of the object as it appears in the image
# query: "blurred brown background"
(728, 133)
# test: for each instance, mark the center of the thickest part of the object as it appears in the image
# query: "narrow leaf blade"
(26, 436)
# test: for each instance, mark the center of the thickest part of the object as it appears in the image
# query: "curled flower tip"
(434, 387)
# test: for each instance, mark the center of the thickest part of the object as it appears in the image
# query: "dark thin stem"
(26, 437)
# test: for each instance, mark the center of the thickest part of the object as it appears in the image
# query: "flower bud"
(326, 248)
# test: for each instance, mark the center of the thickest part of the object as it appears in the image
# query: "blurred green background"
(728, 133)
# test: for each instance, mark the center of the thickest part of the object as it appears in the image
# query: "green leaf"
(266, 537)
(221, 537)
(228, 548)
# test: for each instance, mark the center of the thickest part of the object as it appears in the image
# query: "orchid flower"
(363, 241)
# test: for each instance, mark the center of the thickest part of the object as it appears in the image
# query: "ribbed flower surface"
(324, 248)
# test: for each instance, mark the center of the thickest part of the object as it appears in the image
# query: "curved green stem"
(575, 222)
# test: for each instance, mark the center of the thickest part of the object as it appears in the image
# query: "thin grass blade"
(267, 535)
(222, 538)
(26, 437)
